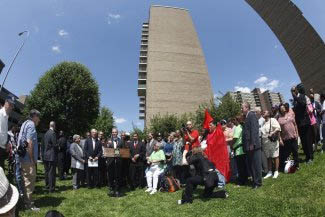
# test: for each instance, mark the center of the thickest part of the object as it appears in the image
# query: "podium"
(117, 153)
(114, 156)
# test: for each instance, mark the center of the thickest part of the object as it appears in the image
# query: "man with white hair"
(93, 150)
(50, 157)
(4, 115)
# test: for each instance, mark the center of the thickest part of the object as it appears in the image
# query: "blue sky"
(240, 49)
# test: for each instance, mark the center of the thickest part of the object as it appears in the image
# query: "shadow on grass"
(49, 201)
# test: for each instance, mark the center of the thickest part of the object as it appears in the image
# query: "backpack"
(169, 184)
(290, 166)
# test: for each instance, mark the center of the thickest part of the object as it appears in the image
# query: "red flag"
(207, 119)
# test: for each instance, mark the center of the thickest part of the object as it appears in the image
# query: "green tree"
(167, 123)
(105, 121)
(227, 108)
(67, 94)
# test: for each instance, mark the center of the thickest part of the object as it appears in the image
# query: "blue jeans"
(19, 177)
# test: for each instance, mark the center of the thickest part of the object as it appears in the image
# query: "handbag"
(23, 144)
(275, 136)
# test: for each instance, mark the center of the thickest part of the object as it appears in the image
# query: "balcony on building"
(144, 37)
(142, 89)
(145, 32)
(143, 61)
(142, 116)
(143, 54)
(142, 75)
(142, 109)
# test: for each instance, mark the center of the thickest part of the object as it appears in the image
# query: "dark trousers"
(77, 178)
(67, 163)
(210, 182)
(114, 173)
(136, 175)
(255, 166)
(125, 172)
(306, 137)
(92, 177)
(3, 157)
(323, 135)
(50, 175)
(242, 168)
(102, 171)
(290, 147)
(184, 173)
(61, 164)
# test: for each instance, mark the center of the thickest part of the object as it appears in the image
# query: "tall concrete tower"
(173, 76)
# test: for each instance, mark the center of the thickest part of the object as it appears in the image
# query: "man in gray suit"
(50, 157)
(77, 162)
(252, 145)
(150, 144)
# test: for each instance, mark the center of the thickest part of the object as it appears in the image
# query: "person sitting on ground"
(157, 165)
(206, 175)
(270, 143)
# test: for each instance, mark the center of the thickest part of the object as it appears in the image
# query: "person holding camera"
(191, 138)
(28, 153)
(270, 142)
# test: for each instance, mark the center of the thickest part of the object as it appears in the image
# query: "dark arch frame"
(302, 43)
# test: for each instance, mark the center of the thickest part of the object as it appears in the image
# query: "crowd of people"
(253, 144)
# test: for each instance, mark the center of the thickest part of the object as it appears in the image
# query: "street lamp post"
(12, 62)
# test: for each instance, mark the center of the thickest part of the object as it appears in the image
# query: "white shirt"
(94, 144)
(3, 128)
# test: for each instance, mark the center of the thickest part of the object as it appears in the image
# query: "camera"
(22, 148)
(184, 128)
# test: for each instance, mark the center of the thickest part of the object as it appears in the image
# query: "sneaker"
(268, 175)
(35, 209)
(180, 202)
(153, 191)
(276, 174)
(148, 190)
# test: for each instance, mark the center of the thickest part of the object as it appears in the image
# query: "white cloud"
(56, 49)
(119, 120)
(243, 89)
(272, 85)
(112, 17)
(261, 80)
(63, 33)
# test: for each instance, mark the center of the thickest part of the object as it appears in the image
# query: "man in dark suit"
(50, 157)
(62, 145)
(252, 145)
(93, 151)
(303, 122)
(138, 157)
(114, 165)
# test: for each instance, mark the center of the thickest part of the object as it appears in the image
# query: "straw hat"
(8, 194)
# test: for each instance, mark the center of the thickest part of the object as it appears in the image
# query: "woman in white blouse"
(270, 142)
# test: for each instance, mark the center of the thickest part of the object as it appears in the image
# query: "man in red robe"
(217, 150)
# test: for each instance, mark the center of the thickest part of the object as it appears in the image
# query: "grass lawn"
(299, 194)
